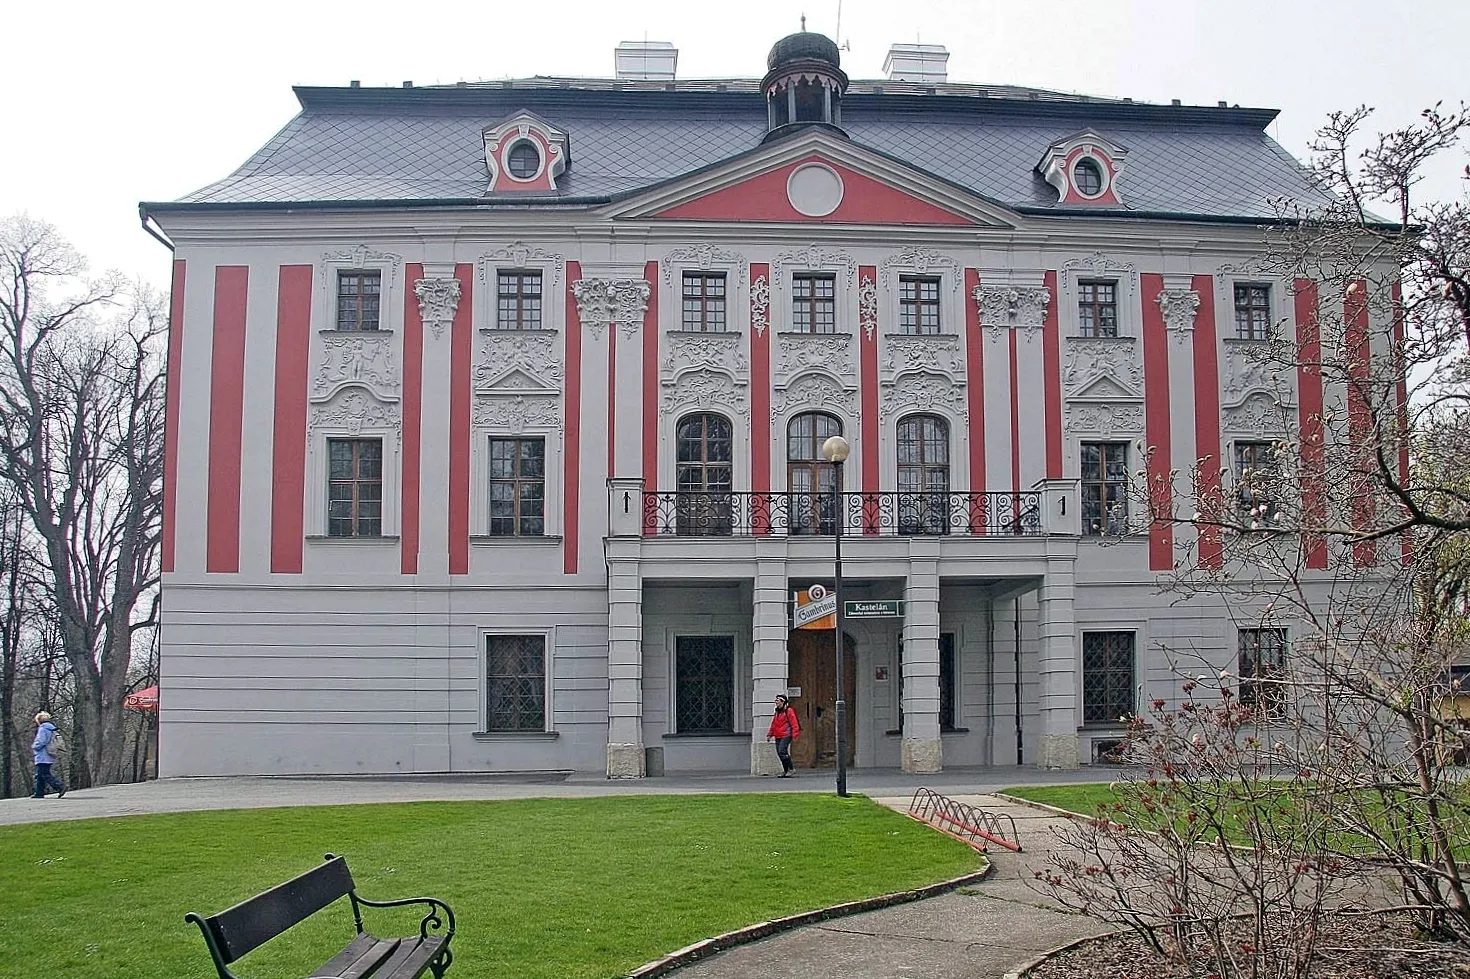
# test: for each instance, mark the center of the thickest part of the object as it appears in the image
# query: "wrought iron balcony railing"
(721, 514)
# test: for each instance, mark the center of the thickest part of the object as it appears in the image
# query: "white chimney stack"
(649, 61)
(923, 64)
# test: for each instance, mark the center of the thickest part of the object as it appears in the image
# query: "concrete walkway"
(985, 932)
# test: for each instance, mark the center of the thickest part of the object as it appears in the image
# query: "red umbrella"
(146, 699)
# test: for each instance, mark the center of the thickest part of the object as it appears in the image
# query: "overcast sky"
(108, 104)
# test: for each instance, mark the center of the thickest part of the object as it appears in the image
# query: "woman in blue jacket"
(45, 757)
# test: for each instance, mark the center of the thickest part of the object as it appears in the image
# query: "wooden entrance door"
(813, 668)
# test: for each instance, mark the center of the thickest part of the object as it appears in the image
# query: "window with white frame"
(704, 302)
(354, 487)
(1263, 669)
(1255, 483)
(518, 300)
(918, 304)
(515, 683)
(1252, 311)
(704, 684)
(1097, 308)
(359, 299)
(1107, 677)
(813, 303)
(517, 487)
(1104, 488)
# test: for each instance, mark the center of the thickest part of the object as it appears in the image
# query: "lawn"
(1083, 798)
(561, 889)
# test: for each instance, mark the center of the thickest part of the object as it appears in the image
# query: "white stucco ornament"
(1012, 308)
(1179, 307)
(438, 302)
(362, 358)
(814, 190)
(760, 305)
(603, 302)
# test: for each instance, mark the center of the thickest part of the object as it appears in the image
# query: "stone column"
(625, 757)
(1057, 664)
(769, 666)
(922, 749)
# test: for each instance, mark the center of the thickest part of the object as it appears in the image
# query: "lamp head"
(836, 449)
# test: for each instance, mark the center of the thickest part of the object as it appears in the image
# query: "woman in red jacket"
(784, 729)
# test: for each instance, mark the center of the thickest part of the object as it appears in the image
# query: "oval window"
(523, 160)
(1087, 177)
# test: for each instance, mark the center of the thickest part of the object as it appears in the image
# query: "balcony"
(946, 514)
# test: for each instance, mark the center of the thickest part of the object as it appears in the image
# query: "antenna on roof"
(803, 23)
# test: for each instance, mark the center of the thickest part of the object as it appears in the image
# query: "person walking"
(784, 729)
(45, 747)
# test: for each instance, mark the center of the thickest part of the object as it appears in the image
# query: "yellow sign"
(814, 608)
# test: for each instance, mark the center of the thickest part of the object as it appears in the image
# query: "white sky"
(107, 104)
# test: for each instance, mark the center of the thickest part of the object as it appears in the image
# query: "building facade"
(496, 411)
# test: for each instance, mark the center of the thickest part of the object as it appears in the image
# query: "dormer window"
(525, 153)
(1084, 168)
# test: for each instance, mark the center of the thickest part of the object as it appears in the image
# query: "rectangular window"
(918, 304)
(1252, 312)
(358, 298)
(704, 302)
(705, 684)
(1255, 477)
(354, 487)
(1262, 666)
(1104, 488)
(1097, 309)
(948, 685)
(1107, 677)
(517, 487)
(515, 683)
(518, 301)
(814, 303)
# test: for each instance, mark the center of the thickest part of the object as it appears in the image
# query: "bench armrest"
(432, 923)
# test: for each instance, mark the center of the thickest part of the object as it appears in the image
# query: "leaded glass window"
(1262, 667)
(704, 684)
(1107, 677)
(517, 487)
(515, 683)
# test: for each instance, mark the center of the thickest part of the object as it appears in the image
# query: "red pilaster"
(975, 393)
(1309, 409)
(1051, 355)
(459, 422)
(413, 412)
(1156, 426)
(1207, 420)
(872, 423)
(288, 441)
(171, 412)
(226, 418)
(760, 392)
(572, 475)
(1360, 420)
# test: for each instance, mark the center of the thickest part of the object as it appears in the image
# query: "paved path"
(984, 933)
(191, 794)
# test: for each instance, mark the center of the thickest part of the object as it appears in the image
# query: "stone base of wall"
(1058, 751)
(625, 761)
(763, 758)
(923, 755)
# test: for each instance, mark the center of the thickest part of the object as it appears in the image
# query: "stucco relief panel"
(797, 353)
(518, 360)
(1259, 415)
(519, 255)
(1254, 367)
(813, 392)
(366, 359)
(704, 388)
(354, 411)
(933, 353)
(1103, 420)
(1102, 367)
(517, 413)
(706, 351)
(921, 261)
(925, 392)
(703, 256)
(813, 258)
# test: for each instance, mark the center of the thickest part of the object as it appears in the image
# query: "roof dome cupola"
(804, 84)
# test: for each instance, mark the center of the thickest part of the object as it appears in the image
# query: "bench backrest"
(252, 923)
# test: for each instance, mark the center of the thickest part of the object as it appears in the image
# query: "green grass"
(1083, 798)
(562, 889)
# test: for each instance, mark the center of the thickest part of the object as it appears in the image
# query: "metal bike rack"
(965, 822)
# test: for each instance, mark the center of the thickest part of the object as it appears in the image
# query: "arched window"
(810, 478)
(923, 475)
(704, 474)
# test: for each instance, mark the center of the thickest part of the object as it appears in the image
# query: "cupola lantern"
(804, 84)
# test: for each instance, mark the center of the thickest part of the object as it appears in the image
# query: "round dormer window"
(1087, 177)
(524, 160)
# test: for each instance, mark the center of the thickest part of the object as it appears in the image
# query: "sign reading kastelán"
(885, 608)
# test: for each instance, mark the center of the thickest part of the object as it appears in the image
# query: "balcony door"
(704, 476)
(809, 478)
(923, 475)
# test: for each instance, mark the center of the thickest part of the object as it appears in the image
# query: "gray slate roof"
(424, 145)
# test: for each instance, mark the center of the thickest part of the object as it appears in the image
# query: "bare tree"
(81, 443)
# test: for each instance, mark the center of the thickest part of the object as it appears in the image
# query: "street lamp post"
(836, 450)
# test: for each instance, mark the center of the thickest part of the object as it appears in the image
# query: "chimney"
(649, 61)
(923, 64)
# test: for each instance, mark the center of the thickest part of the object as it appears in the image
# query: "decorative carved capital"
(1012, 308)
(604, 302)
(438, 302)
(1179, 307)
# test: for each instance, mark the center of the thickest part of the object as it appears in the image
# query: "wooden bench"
(237, 931)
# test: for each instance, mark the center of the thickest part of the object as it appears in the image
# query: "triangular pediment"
(515, 381)
(816, 178)
(1105, 387)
